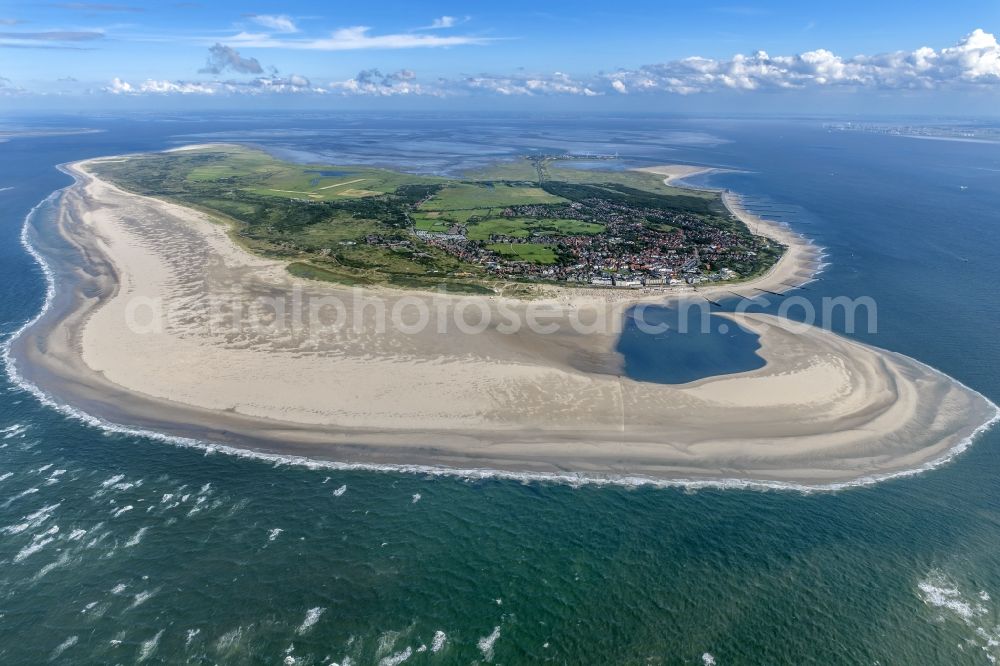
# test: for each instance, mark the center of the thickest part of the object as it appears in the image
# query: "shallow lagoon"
(664, 345)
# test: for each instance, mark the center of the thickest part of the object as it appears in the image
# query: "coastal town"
(626, 245)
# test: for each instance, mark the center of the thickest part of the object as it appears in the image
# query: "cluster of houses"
(638, 247)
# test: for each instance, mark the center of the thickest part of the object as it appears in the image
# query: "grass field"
(520, 169)
(448, 217)
(465, 196)
(302, 182)
(536, 253)
(640, 180)
(522, 227)
(257, 172)
(559, 169)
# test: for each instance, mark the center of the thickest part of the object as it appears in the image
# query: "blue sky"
(637, 54)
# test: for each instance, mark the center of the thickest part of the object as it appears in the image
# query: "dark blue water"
(671, 346)
(121, 549)
(325, 173)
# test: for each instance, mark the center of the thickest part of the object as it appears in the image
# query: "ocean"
(118, 548)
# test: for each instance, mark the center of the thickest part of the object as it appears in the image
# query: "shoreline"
(801, 260)
(457, 450)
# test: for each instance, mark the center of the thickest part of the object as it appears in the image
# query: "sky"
(752, 55)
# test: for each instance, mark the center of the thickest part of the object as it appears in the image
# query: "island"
(363, 317)
(541, 219)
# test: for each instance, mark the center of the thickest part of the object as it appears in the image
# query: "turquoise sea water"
(122, 549)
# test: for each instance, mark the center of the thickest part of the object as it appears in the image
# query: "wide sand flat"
(823, 409)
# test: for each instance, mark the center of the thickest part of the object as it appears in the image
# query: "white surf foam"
(61, 561)
(148, 647)
(137, 537)
(395, 659)
(14, 431)
(124, 509)
(62, 647)
(23, 493)
(142, 597)
(37, 543)
(229, 639)
(486, 644)
(32, 520)
(940, 592)
(312, 617)
(439, 640)
(54, 477)
(107, 483)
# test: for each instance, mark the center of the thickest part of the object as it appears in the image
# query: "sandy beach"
(161, 321)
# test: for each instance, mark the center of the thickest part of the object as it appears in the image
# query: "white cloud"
(372, 82)
(294, 83)
(528, 84)
(222, 58)
(275, 22)
(443, 22)
(356, 38)
(257, 86)
(974, 60)
(152, 86)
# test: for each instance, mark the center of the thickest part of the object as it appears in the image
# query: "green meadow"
(535, 253)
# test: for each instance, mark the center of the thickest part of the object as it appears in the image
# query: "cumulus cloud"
(223, 58)
(275, 22)
(557, 83)
(974, 60)
(152, 86)
(256, 86)
(276, 84)
(373, 82)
